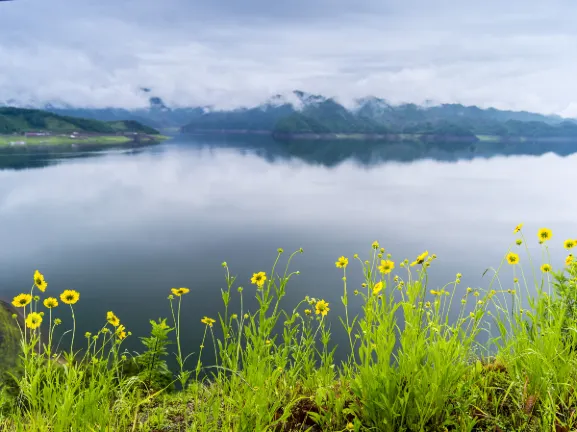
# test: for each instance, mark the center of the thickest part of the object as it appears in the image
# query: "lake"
(124, 226)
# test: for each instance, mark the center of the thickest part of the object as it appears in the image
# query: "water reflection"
(123, 228)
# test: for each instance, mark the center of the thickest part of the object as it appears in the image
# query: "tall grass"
(415, 360)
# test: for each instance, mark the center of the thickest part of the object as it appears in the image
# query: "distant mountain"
(305, 115)
(313, 116)
(380, 110)
(157, 115)
(19, 120)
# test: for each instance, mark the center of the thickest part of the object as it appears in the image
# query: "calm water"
(123, 227)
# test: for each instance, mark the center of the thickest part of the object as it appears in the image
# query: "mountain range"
(305, 115)
(19, 120)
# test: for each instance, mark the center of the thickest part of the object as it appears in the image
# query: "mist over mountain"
(299, 113)
(308, 114)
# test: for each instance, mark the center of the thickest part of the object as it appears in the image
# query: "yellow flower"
(112, 319)
(50, 303)
(433, 292)
(512, 258)
(39, 281)
(180, 291)
(258, 279)
(386, 266)
(69, 297)
(308, 311)
(208, 321)
(569, 244)
(420, 259)
(342, 262)
(322, 308)
(546, 268)
(33, 320)
(22, 300)
(518, 228)
(377, 288)
(544, 234)
(121, 332)
(569, 259)
(375, 244)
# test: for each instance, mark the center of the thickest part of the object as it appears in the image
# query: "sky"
(516, 55)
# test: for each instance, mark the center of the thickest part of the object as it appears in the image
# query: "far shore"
(16, 141)
(382, 137)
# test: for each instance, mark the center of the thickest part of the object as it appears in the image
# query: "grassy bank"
(59, 140)
(414, 362)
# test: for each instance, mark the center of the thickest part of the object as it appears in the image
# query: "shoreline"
(391, 137)
(18, 141)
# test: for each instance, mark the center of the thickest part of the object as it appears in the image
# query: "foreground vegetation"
(414, 359)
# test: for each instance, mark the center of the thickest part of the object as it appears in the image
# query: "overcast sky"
(514, 54)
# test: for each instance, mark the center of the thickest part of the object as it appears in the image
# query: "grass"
(57, 140)
(414, 360)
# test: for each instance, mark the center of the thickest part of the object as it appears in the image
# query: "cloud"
(514, 55)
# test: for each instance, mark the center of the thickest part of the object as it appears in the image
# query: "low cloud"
(228, 53)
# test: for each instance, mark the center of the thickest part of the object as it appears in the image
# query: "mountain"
(157, 115)
(19, 120)
(305, 115)
(380, 110)
(309, 116)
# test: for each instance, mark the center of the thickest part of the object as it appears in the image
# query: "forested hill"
(316, 115)
(19, 120)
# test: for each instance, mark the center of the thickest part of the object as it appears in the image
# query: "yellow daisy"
(258, 279)
(377, 288)
(342, 262)
(112, 319)
(518, 228)
(569, 259)
(120, 332)
(50, 302)
(512, 258)
(21, 300)
(39, 281)
(70, 297)
(545, 268)
(180, 291)
(544, 234)
(386, 266)
(569, 244)
(208, 321)
(33, 320)
(420, 259)
(375, 244)
(322, 308)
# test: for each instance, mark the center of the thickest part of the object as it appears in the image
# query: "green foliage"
(132, 126)
(150, 366)
(414, 361)
(18, 120)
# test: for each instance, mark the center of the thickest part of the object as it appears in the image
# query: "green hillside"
(19, 120)
(317, 115)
